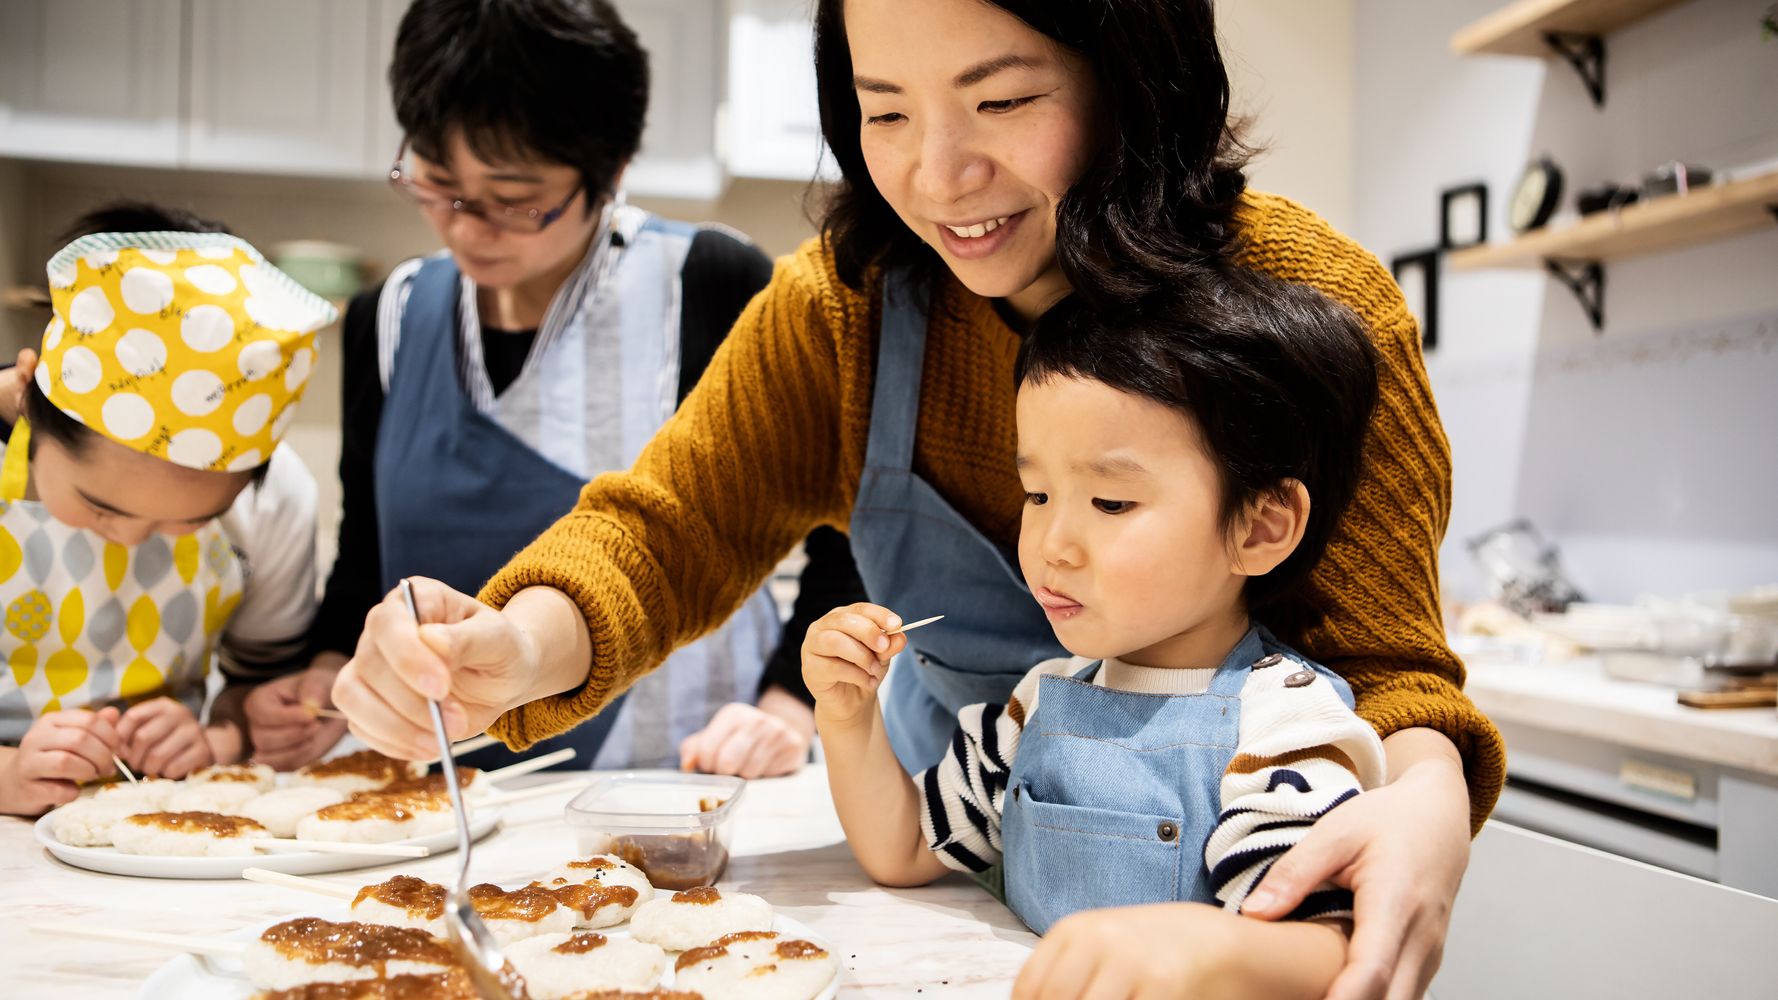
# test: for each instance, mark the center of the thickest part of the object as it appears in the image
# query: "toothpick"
(176, 942)
(919, 624)
(338, 847)
(123, 769)
(268, 877)
(317, 712)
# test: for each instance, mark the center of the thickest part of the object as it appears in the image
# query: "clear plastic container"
(676, 827)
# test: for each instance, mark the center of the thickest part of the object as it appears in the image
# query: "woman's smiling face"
(973, 126)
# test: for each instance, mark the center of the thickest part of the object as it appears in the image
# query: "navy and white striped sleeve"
(961, 796)
(1301, 753)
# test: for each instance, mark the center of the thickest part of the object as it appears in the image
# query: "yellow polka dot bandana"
(184, 346)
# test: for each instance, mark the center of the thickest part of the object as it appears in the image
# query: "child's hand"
(12, 386)
(1183, 950)
(59, 751)
(845, 656)
(162, 738)
(282, 724)
(1164, 950)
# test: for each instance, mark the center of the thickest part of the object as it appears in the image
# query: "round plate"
(189, 977)
(115, 862)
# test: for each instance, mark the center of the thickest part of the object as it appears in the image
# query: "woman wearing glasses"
(560, 327)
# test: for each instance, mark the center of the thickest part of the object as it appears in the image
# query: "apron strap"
(901, 361)
(15, 474)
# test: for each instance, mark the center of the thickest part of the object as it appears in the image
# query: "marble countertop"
(1577, 698)
(949, 939)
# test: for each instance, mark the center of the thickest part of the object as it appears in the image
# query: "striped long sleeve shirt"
(1300, 753)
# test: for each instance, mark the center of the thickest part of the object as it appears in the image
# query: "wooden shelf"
(1519, 28)
(1665, 223)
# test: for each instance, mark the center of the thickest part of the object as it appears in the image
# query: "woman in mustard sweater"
(996, 157)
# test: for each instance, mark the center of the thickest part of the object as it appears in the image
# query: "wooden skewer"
(123, 769)
(338, 847)
(177, 942)
(266, 876)
(919, 624)
(317, 712)
(527, 766)
(501, 798)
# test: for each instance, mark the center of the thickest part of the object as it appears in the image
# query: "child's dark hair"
(1279, 379)
(48, 422)
(564, 81)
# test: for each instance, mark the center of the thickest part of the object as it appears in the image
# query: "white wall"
(1646, 451)
(1290, 66)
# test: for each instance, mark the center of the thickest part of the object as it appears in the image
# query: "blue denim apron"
(1113, 794)
(919, 557)
(457, 494)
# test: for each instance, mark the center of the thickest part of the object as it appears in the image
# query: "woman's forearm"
(556, 631)
(1423, 750)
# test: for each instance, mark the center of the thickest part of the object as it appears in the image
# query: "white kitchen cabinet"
(774, 118)
(91, 80)
(685, 43)
(385, 132)
(281, 87)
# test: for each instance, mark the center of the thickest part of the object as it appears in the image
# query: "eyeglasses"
(512, 220)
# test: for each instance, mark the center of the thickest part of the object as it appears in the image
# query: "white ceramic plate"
(189, 977)
(113, 861)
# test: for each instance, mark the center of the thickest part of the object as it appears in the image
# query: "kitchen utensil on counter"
(1523, 569)
(330, 270)
(487, 968)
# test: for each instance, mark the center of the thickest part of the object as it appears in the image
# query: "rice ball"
(224, 797)
(187, 835)
(756, 966)
(282, 809)
(561, 965)
(698, 916)
(260, 776)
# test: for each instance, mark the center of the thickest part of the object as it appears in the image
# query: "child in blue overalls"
(1184, 468)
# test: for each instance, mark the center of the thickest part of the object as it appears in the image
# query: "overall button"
(1268, 660)
(1168, 832)
(1301, 678)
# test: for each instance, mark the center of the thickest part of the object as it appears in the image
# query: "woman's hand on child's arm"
(845, 656)
(762, 741)
(163, 738)
(283, 724)
(1402, 849)
(1179, 950)
(12, 386)
(59, 751)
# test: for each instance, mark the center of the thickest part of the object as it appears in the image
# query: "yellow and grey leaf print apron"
(90, 623)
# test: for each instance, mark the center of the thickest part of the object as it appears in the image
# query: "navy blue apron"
(457, 494)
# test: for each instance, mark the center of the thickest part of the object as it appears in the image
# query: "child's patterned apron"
(89, 622)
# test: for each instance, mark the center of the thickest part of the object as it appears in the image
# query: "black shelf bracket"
(1586, 279)
(1586, 53)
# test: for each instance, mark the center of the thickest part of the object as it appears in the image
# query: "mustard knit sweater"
(771, 444)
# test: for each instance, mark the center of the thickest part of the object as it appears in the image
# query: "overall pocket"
(1063, 858)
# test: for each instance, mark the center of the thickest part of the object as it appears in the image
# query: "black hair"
(564, 81)
(48, 422)
(1157, 200)
(1279, 380)
(131, 216)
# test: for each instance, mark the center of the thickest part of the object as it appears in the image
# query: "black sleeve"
(721, 274)
(830, 580)
(355, 584)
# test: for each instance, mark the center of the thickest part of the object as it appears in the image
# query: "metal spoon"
(487, 968)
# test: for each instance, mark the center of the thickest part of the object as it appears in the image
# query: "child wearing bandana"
(149, 518)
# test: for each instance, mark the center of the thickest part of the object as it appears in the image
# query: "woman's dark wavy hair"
(564, 81)
(1279, 380)
(1156, 203)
